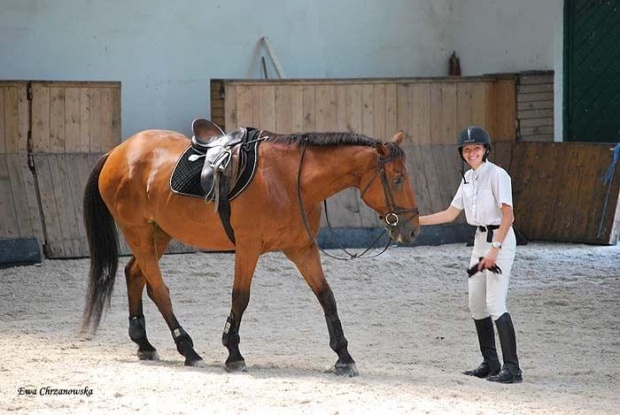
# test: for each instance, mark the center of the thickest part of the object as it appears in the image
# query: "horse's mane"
(334, 139)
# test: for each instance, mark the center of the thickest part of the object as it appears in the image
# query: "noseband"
(391, 217)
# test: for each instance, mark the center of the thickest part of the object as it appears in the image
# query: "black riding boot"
(486, 338)
(510, 373)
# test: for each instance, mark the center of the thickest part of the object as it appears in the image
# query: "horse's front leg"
(246, 259)
(308, 262)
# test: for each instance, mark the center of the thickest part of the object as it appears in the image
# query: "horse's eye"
(398, 181)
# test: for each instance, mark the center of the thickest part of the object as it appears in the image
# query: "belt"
(489, 229)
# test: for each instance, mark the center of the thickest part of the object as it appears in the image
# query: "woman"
(486, 196)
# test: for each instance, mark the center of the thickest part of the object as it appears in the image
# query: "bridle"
(392, 217)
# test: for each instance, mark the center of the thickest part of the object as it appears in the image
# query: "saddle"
(221, 153)
(228, 167)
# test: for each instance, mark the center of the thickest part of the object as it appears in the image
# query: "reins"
(391, 218)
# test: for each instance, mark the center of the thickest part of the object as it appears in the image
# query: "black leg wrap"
(137, 333)
(185, 346)
(345, 366)
(230, 339)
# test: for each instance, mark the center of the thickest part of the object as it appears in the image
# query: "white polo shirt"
(482, 197)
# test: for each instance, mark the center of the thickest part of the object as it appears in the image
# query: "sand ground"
(405, 316)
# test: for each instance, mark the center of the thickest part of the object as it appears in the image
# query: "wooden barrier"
(559, 195)
(430, 111)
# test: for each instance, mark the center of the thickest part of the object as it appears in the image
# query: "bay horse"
(130, 187)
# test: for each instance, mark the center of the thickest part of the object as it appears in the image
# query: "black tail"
(103, 246)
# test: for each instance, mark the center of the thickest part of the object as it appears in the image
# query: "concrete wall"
(165, 53)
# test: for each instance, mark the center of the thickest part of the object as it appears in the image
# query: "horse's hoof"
(346, 370)
(148, 355)
(238, 366)
(195, 363)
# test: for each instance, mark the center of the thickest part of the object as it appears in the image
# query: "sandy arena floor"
(405, 316)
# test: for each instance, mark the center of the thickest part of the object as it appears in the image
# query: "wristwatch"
(496, 245)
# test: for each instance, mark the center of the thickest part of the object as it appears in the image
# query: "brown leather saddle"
(229, 164)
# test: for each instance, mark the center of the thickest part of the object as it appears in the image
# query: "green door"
(592, 70)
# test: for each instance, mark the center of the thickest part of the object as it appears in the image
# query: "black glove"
(471, 271)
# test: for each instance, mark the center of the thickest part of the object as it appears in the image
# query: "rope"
(607, 179)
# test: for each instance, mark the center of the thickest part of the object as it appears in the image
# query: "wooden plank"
(72, 120)
(505, 111)
(57, 120)
(30, 191)
(309, 108)
(78, 176)
(521, 171)
(569, 219)
(325, 96)
(478, 102)
(422, 113)
(343, 209)
(230, 103)
(62, 201)
(11, 119)
(436, 109)
(20, 203)
(535, 122)
(368, 110)
(538, 137)
(464, 105)
(535, 88)
(266, 108)
(116, 116)
(587, 180)
(435, 201)
(340, 108)
(491, 117)
(354, 108)
(96, 144)
(297, 108)
(448, 113)
(391, 108)
(536, 113)
(8, 217)
(245, 106)
(534, 105)
(53, 233)
(541, 130)
(85, 130)
(23, 110)
(283, 109)
(3, 115)
(73, 196)
(379, 112)
(418, 175)
(535, 79)
(108, 141)
(540, 96)
(404, 113)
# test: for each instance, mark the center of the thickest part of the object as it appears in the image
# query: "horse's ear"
(398, 138)
(205, 129)
(382, 149)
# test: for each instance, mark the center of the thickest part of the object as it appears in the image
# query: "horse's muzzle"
(405, 233)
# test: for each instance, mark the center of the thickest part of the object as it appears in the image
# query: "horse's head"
(388, 190)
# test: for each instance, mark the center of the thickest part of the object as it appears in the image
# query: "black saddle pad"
(185, 179)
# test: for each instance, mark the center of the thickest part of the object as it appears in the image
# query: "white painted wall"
(165, 53)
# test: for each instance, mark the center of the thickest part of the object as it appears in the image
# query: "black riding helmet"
(474, 135)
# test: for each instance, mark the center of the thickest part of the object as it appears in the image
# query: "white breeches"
(487, 290)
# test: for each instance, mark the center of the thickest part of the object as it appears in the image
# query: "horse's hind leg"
(309, 264)
(146, 243)
(137, 326)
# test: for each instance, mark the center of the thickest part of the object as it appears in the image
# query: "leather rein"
(391, 217)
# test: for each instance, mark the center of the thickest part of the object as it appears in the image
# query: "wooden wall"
(19, 209)
(559, 195)
(535, 100)
(430, 111)
(52, 133)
